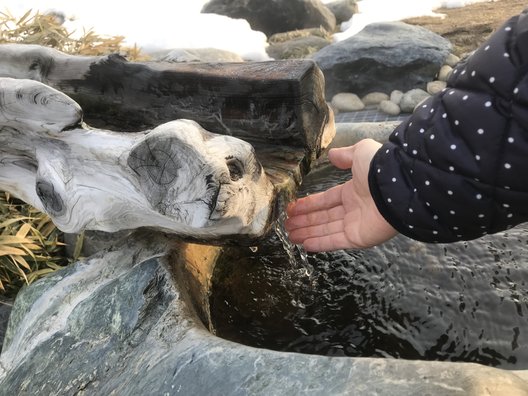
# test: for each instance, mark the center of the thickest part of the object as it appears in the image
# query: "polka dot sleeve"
(455, 169)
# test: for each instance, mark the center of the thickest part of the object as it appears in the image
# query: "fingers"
(328, 243)
(299, 235)
(363, 150)
(342, 157)
(315, 218)
(316, 202)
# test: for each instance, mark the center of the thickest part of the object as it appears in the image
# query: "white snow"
(162, 24)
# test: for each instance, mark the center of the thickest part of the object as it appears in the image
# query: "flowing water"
(466, 301)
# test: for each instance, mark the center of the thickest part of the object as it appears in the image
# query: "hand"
(344, 216)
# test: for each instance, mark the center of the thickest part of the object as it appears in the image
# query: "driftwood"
(177, 177)
(277, 103)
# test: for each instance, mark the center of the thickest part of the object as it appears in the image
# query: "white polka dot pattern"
(452, 171)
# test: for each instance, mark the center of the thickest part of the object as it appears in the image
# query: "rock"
(122, 323)
(411, 99)
(444, 73)
(343, 9)
(197, 55)
(396, 96)
(389, 108)
(298, 48)
(92, 242)
(6, 304)
(344, 102)
(452, 60)
(436, 86)
(374, 98)
(383, 57)
(299, 33)
(298, 44)
(274, 16)
(349, 133)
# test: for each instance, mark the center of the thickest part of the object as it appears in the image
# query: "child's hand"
(344, 216)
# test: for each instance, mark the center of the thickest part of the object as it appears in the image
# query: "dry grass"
(468, 27)
(42, 29)
(29, 245)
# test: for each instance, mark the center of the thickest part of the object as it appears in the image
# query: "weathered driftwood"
(278, 103)
(177, 177)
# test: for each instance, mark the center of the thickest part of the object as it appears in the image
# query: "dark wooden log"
(277, 103)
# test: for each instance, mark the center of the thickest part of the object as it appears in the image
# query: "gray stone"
(348, 133)
(374, 98)
(298, 48)
(383, 57)
(295, 34)
(343, 102)
(90, 242)
(390, 108)
(343, 9)
(6, 304)
(396, 96)
(197, 55)
(274, 16)
(436, 86)
(118, 323)
(444, 72)
(452, 60)
(411, 99)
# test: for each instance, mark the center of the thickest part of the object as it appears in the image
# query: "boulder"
(444, 73)
(343, 9)
(298, 44)
(374, 98)
(383, 57)
(274, 16)
(297, 48)
(197, 55)
(349, 133)
(436, 86)
(452, 60)
(411, 99)
(5, 310)
(389, 108)
(344, 102)
(295, 34)
(396, 96)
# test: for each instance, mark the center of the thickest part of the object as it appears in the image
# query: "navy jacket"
(455, 170)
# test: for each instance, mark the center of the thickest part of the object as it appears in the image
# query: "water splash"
(297, 256)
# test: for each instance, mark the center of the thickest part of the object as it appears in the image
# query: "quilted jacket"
(454, 170)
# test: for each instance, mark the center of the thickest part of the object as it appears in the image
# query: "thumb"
(342, 157)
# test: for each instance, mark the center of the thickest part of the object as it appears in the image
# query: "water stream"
(404, 299)
(297, 256)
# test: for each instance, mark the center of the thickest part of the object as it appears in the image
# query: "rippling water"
(459, 302)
